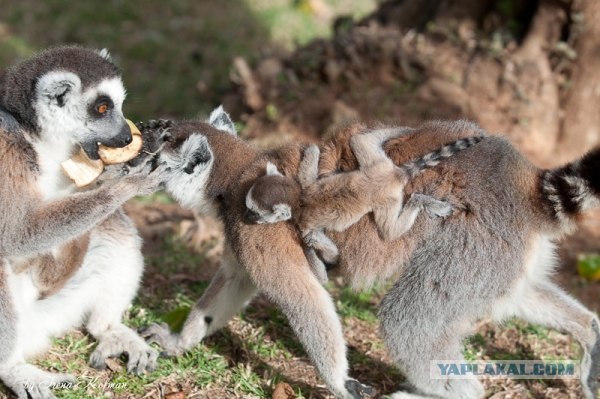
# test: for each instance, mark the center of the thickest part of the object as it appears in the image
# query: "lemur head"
(72, 95)
(271, 198)
(185, 151)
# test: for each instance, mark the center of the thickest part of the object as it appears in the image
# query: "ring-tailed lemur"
(497, 247)
(66, 257)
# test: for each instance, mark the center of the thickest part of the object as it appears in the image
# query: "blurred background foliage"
(175, 55)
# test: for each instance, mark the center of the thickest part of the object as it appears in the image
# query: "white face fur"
(190, 168)
(69, 115)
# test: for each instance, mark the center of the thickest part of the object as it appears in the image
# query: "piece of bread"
(84, 171)
(111, 156)
(81, 169)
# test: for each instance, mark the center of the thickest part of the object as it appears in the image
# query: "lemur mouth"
(91, 150)
(121, 140)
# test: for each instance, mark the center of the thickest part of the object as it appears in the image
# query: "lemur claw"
(358, 390)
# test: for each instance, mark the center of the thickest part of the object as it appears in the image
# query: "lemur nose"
(125, 137)
(120, 140)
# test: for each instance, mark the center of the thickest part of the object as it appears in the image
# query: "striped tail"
(573, 188)
(432, 159)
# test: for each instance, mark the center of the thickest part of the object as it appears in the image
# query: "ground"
(518, 68)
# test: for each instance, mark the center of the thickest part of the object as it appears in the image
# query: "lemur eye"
(102, 105)
(102, 108)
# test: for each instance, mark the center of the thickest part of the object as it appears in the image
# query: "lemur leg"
(315, 239)
(311, 314)
(318, 240)
(281, 272)
(25, 380)
(119, 265)
(416, 331)
(317, 266)
(29, 382)
(102, 288)
(368, 147)
(229, 291)
(308, 172)
(542, 302)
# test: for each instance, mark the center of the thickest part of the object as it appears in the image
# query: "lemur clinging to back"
(65, 257)
(337, 201)
(497, 246)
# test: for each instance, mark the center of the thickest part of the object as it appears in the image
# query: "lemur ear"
(220, 119)
(195, 151)
(104, 53)
(55, 87)
(272, 170)
(282, 212)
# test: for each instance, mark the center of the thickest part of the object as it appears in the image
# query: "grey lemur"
(337, 201)
(492, 257)
(66, 257)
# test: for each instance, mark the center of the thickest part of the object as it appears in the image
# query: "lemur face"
(189, 164)
(87, 117)
(189, 158)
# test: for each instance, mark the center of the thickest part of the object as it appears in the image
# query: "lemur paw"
(358, 390)
(29, 382)
(141, 357)
(161, 334)
(147, 178)
(434, 207)
(330, 255)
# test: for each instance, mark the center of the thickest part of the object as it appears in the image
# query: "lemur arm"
(56, 222)
(394, 221)
(308, 171)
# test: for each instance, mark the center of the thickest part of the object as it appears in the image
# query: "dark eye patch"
(100, 101)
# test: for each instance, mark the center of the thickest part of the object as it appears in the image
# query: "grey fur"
(465, 271)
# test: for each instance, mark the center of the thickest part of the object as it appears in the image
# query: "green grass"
(361, 305)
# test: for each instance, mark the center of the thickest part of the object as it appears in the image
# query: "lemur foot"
(29, 382)
(141, 357)
(326, 248)
(434, 207)
(318, 267)
(161, 334)
(358, 390)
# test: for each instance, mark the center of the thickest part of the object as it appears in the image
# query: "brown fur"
(53, 271)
